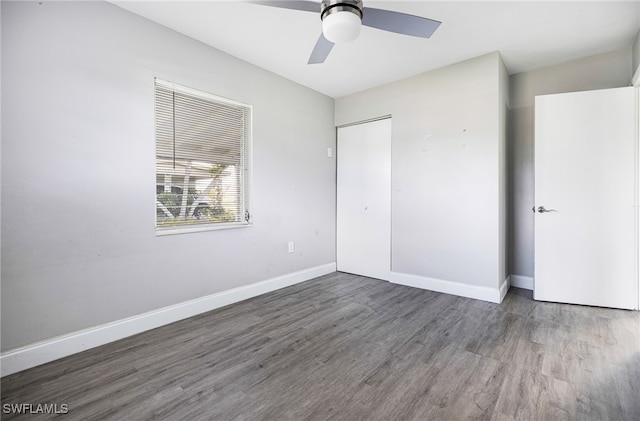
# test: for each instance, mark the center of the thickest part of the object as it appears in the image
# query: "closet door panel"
(364, 199)
(350, 222)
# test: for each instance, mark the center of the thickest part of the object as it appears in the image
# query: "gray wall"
(635, 50)
(610, 70)
(78, 171)
(503, 208)
(446, 168)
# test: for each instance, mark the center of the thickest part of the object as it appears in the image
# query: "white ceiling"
(528, 35)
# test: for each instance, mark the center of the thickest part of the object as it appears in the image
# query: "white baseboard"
(52, 349)
(519, 281)
(504, 288)
(494, 295)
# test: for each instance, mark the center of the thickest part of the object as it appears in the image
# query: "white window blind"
(202, 159)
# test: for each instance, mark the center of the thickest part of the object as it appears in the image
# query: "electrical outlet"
(292, 246)
(329, 153)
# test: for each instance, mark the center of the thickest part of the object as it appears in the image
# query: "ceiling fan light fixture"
(341, 20)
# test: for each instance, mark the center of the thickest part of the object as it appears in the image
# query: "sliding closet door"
(364, 199)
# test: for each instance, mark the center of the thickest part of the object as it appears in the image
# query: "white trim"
(371, 120)
(199, 93)
(52, 349)
(636, 199)
(185, 229)
(493, 295)
(635, 81)
(504, 288)
(524, 282)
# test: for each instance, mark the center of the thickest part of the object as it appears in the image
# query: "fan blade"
(320, 51)
(305, 6)
(400, 23)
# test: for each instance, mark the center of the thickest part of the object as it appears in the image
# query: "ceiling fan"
(342, 19)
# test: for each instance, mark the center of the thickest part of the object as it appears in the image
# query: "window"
(202, 160)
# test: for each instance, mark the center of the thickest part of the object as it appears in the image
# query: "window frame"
(246, 161)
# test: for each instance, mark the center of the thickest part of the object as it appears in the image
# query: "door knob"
(541, 209)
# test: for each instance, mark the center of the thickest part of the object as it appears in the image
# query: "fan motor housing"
(328, 7)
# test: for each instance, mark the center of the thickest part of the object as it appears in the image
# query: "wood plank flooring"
(345, 347)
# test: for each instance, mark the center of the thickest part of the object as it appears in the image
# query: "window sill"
(161, 232)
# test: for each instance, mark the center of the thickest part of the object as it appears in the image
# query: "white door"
(585, 241)
(364, 199)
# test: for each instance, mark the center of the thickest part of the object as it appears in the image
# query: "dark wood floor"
(345, 347)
